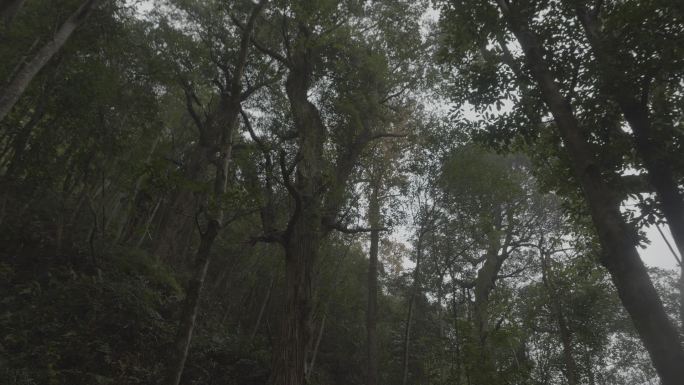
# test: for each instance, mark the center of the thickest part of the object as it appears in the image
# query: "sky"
(657, 253)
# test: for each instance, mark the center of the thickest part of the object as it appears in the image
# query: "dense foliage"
(340, 192)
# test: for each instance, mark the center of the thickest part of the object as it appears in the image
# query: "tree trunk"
(181, 345)
(262, 309)
(411, 304)
(301, 249)
(310, 367)
(216, 138)
(457, 335)
(485, 372)
(372, 306)
(16, 87)
(617, 238)
(557, 311)
(178, 215)
(652, 151)
(22, 139)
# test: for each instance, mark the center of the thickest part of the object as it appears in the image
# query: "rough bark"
(301, 250)
(21, 80)
(303, 234)
(618, 239)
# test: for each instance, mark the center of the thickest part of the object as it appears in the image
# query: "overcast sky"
(657, 253)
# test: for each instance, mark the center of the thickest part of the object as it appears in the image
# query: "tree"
(617, 237)
(216, 140)
(10, 94)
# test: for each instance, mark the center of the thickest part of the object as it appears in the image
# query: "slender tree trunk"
(372, 306)
(21, 140)
(618, 239)
(314, 354)
(457, 336)
(484, 284)
(178, 215)
(130, 216)
(557, 311)
(411, 305)
(407, 341)
(146, 229)
(191, 306)
(16, 87)
(216, 137)
(262, 309)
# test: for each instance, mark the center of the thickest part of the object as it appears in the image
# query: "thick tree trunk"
(301, 249)
(618, 239)
(16, 87)
(372, 306)
(181, 345)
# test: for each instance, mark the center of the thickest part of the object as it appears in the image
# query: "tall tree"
(618, 240)
(216, 147)
(10, 94)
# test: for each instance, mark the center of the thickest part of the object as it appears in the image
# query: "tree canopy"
(294, 192)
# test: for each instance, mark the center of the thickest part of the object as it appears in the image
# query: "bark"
(304, 232)
(301, 250)
(372, 307)
(21, 80)
(484, 284)
(651, 150)
(617, 238)
(316, 205)
(681, 296)
(485, 372)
